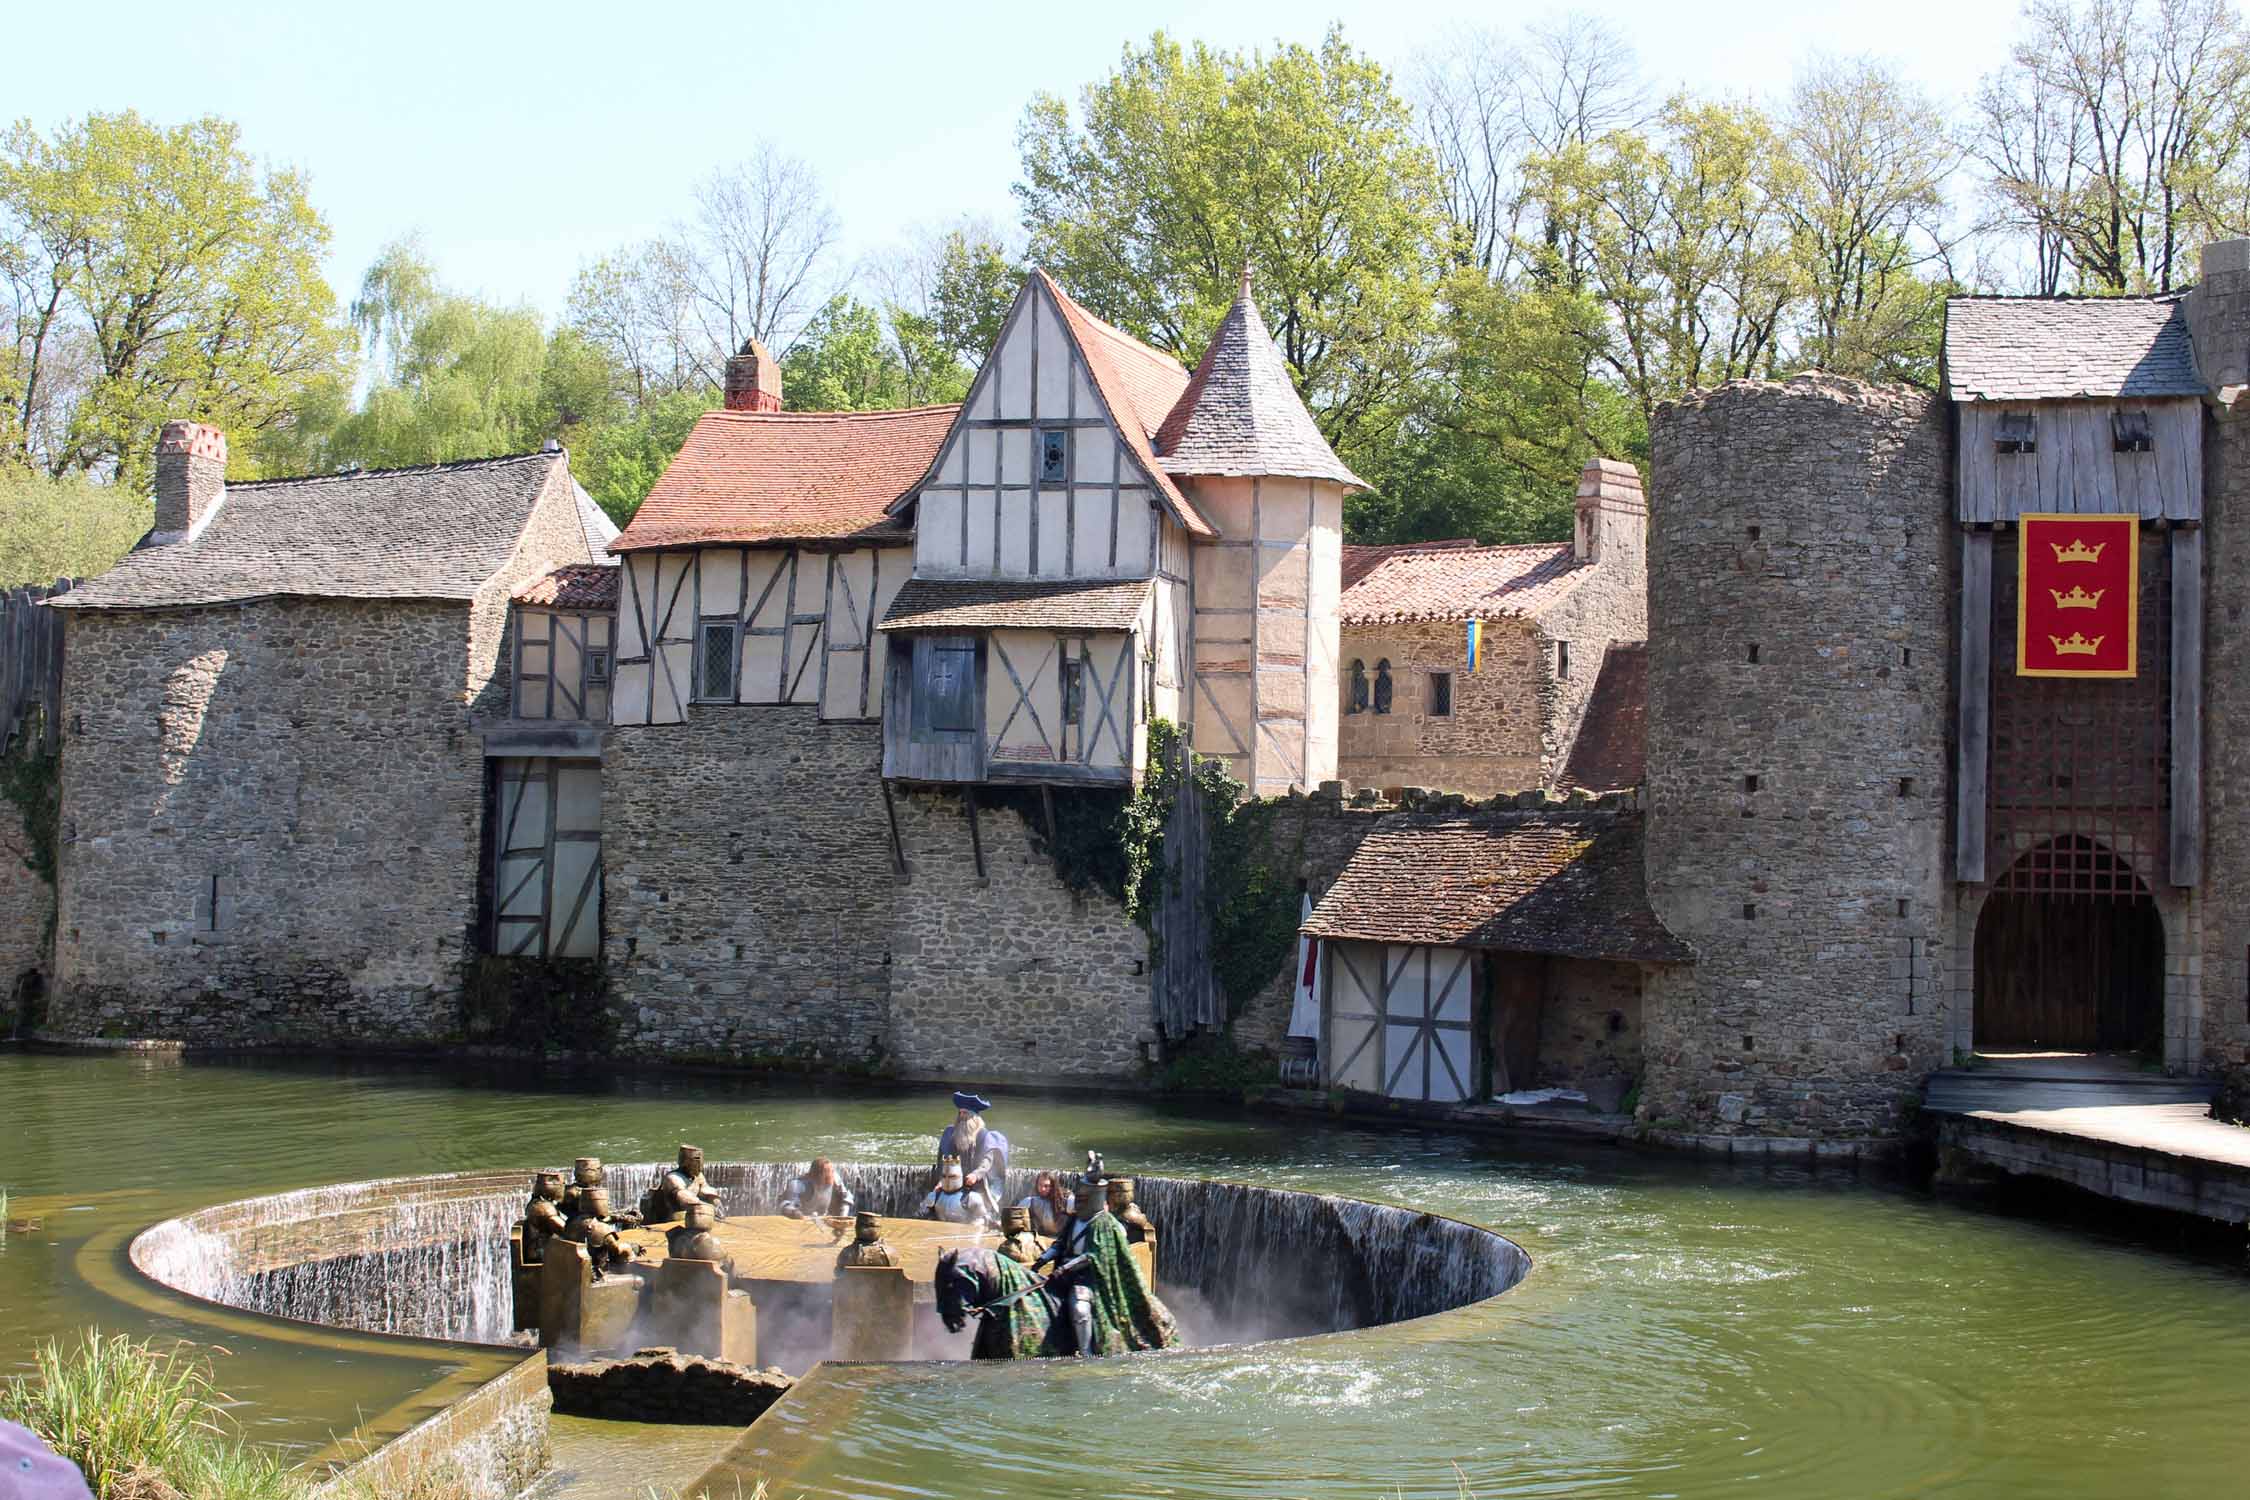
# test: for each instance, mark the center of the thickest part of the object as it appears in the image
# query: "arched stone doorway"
(2070, 955)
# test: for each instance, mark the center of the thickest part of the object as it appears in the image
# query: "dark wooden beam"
(2187, 706)
(976, 838)
(890, 810)
(1973, 751)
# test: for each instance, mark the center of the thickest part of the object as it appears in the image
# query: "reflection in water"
(1688, 1328)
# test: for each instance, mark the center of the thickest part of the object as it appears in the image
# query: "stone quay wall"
(1800, 632)
(269, 823)
(747, 887)
(1011, 976)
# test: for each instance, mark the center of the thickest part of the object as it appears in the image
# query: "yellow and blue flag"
(1476, 643)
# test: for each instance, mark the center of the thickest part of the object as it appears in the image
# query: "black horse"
(973, 1277)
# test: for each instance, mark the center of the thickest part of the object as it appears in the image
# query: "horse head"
(964, 1279)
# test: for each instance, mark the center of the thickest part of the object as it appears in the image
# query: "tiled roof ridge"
(2177, 294)
(345, 476)
(871, 414)
(1414, 586)
(1108, 329)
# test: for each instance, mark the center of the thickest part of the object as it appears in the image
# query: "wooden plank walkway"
(2135, 1137)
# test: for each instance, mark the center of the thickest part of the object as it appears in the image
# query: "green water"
(1686, 1330)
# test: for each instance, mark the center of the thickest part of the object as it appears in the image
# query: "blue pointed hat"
(971, 1102)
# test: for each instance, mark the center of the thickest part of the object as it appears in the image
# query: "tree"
(756, 254)
(854, 357)
(1866, 199)
(637, 306)
(1185, 165)
(2114, 138)
(152, 273)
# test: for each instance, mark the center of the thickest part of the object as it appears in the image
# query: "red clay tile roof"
(1611, 751)
(1462, 583)
(1564, 883)
(1360, 558)
(573, 586)
(789, 476)
(1140, 385)
(984, 604)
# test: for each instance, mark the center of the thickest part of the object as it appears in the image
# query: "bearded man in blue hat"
(983, 1151)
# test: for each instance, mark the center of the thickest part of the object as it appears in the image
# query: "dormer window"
(2018, 433)
(1054, 456)
(2131, 431)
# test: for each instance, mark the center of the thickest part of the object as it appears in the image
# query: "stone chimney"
(1612, 514)
(191, 475)
(753, 379)
(2218, 312)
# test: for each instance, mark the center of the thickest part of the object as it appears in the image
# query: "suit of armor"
(543, 1217)
(867, 1247)
(693, 1239)
(598, 1231)
(680, 1188)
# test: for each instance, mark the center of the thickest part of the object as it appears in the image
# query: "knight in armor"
(543, 1217)
(983, 1151)
(1048, 1203)
(599, 1231)
(694, 1239)
(685, 1184)
(586, 1172)
(817, 1192)
(867, 1247)
(1119, 1193)
(1105, 1305)
(1017, 1242)
(954, 1201)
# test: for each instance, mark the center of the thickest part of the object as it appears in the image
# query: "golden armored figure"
(867, 1247)
(597, 1229)
(1119, 1191)
(1019, 1243)
(693, 1239)
(543, 1217)
(684, 1185)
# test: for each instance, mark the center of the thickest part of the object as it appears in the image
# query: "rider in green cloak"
(1107, 1305)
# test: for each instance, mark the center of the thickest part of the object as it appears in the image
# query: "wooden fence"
(31, 651)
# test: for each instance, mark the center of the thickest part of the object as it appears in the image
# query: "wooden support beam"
(890, 810)
(976, 839)
(1974, 743)
(2187, 706)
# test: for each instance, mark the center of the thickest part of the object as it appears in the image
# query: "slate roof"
(2057, 348)
(1611, 751)
(574, 586)
(771, 477)
(599, 529)
(1440, 582)
(437, 532)
(1140, 385)
(1240, 413)
(983, 604)
(1562, 883)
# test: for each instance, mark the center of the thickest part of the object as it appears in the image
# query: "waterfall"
(428, 1256)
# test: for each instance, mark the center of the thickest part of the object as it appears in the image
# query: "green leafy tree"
(972, 286)
(619, 461)
(855, 357)
(151, 273)
(65, 526)
(1185, 165)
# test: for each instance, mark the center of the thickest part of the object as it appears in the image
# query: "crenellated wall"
(1800, 631)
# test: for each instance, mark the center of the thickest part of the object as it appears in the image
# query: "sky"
(521, 141)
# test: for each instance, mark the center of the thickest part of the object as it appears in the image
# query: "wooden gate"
(1398, 1021)
(545, 892)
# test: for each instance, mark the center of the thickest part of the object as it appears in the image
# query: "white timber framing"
(1397, 1020)
(802, 619)
(1026, 699)
(544, 893)
(562, 661)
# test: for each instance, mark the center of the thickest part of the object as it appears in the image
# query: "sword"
(1074, 1264)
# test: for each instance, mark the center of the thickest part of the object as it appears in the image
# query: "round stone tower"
(1800, 566)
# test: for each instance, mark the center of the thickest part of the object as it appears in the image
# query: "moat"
(1687, 1327)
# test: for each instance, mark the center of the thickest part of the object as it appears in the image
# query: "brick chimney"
(191, 475)
(753, 379)
(1612, 514)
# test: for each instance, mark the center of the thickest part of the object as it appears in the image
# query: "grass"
(141, 1423)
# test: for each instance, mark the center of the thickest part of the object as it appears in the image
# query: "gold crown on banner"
(2078, 551)
(2076, 644)
(2077, 598)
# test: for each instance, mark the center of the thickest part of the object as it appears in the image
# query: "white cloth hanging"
(1304, 1008)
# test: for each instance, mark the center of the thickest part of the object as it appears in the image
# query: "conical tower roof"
(1240, 414)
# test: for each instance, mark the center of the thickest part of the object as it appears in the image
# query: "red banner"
(2076, 610)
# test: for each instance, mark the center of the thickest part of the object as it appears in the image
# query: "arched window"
(1355, 700)
(1383, 686)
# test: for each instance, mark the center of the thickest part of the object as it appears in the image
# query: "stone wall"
(1011, 976)
(747, 886)
(1492, 741)
(1589, 1021)
(313, 758)
(1799, 778)
(1611, 605)
(27, 912)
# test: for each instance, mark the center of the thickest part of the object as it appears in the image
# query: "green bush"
(64, 528)
(140, 1423)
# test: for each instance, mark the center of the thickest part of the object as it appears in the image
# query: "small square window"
(1054, 457)
(597, 666)
(714, 662)
(1441, 695)
(1073, 690)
